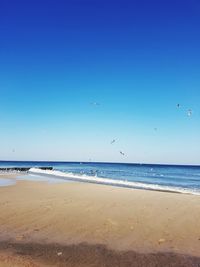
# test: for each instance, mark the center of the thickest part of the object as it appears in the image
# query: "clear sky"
(137, 59)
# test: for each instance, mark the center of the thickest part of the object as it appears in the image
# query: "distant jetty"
(22, 169)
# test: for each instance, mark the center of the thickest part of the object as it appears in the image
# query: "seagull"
(178, 105)
(122, 153)
(94, 172)
(113, 141)
(95, 104)
(189, 112)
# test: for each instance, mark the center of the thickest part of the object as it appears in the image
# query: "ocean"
(172, 178)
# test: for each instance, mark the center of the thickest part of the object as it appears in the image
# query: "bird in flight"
(189, 112)
(178, 105)
(113, 141)
(94, 104)
(122, 153)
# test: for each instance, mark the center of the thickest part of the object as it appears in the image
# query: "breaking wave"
(109, 181)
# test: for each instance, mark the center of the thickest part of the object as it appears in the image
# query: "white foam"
(108, 181)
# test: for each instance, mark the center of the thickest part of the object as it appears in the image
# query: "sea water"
(174, 178)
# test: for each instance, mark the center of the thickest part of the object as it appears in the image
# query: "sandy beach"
(81, 224)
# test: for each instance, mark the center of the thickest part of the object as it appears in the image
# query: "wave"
(108, 181)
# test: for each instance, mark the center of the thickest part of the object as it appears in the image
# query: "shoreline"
(111, 182)
(62, 179)
(51, 173)
(120, 219)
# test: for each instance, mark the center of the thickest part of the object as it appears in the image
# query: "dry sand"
(81, 224)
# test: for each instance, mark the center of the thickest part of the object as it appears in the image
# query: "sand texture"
(81, 224)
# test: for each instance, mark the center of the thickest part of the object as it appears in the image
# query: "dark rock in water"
(23, 169)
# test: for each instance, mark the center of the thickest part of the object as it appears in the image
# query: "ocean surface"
(183, 179)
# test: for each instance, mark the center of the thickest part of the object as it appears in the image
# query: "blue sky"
(138, 59)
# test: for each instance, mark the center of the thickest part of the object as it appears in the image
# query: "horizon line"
(106, 162)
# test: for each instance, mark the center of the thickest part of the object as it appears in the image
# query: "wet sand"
(80, 224)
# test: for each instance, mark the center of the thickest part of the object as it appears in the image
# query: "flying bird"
(122, 153)
(113, 141)
(94, 104)
(178, 105)
(189, 112)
